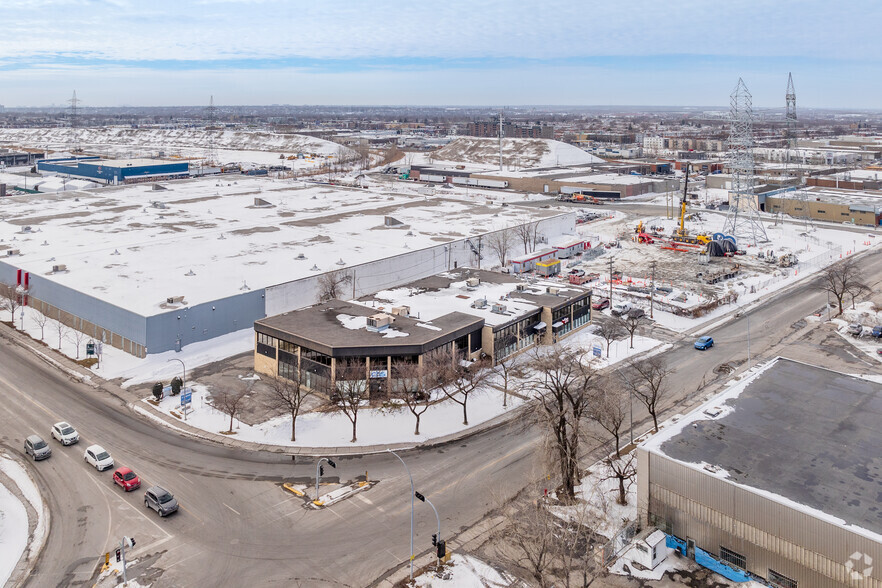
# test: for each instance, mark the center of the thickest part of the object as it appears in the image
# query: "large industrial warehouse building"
(148, 268)
(779, 478)
(115, 171)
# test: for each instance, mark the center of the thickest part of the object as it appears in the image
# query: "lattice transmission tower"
(742, 220)
(74, 117)
(210, 121)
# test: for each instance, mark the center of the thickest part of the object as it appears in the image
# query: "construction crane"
(681, 235)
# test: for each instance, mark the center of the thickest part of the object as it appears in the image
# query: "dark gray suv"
(37, 448)
(160, 500)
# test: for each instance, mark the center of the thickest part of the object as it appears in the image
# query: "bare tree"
(10, 299)
(458, 381)
(62, 331)
(415, 383)
(839, 279)
(630, 322)
(648, 381)
(563, 381)
(77, 337)
(608, 409)
(330, 285)
(527, 544)
(527, 234)
(392, 154)
(623, 470)
(609, 331)
(42, 320)
(857, 290)
(288, 395)
(351, 392)
(511, 371)
(500, 243)
(229, 402)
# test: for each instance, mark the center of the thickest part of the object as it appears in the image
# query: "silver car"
(160, 500)
(37, 448)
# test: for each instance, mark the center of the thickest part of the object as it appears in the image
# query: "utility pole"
(610, 280)
(652, 288)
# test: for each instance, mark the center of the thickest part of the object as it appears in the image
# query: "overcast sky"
(463, 52)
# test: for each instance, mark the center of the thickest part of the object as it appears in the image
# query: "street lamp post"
(423, 498)
(183, 367)
(411, 507)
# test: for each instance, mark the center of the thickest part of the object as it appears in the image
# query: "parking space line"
(232, 509)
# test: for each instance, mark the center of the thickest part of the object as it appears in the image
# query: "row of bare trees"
(502, 242)
(11, 300)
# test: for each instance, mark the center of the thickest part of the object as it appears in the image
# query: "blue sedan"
(704, 343)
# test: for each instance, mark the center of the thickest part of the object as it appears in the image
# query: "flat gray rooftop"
(808, 434)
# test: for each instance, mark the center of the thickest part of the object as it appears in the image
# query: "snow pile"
(14, 534)
(463, 571)
(520, 152)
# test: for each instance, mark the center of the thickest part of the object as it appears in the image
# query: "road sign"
(186, 396)
(90, 348)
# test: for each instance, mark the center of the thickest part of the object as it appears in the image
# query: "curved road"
(237, 526)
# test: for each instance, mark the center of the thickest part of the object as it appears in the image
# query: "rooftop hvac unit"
(521, 287)
(59, 268)
(480, 303)
(174, 299)
(261, 203)
(498, 309)
(401, 311)
(12, 252)
(472, 282)
(378, 322)
(552, 290)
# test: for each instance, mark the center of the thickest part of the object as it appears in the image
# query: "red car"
(127, 479)
(601, 304)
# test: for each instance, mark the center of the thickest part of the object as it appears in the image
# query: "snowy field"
(520, 153)
(376, 426)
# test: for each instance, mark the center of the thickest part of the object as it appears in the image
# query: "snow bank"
(463, 571)
(14, 535)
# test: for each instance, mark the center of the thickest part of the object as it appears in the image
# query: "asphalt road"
(237, 526)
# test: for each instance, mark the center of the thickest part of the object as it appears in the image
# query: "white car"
(64, 433)
(620, 309)
(98, 457)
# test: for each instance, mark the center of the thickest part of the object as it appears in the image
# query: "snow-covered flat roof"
(437, 296)
(801, 435)
(136, 162)
(205, 239)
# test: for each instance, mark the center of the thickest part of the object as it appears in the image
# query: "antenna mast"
(74, 115)
(211, 119)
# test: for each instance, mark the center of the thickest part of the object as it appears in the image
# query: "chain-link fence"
(619, 542)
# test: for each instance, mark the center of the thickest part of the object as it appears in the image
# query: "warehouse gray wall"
(204, 321)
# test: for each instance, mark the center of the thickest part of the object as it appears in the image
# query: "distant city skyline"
(676, 53)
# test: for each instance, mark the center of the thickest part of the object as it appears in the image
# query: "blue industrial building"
(116, 171)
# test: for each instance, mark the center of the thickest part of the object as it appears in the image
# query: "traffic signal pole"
(318, 473)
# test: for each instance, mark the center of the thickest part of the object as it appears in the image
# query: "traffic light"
(434, 539)
(442, 549)
(331, 463)
(321, 470)
(130, 542)
(419, 497)
(118, 555)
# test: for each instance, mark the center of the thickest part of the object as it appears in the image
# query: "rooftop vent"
(552, 290)
(300, 256)
(480, 303)
(401, 311)
(157, 204)
(341, 262)
(379, 322)
(392, 222)
(472, 283)
(190, 273)
(174, 300)
(498, 309)
(261, 203)
(59, 268)
(315, 268)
